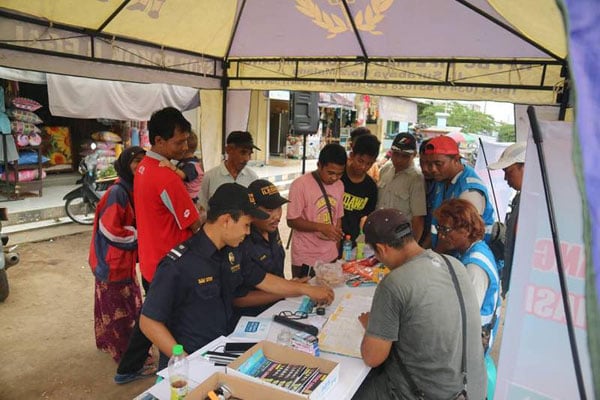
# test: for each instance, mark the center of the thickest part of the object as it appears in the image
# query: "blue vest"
(480, 254)
(468, 180)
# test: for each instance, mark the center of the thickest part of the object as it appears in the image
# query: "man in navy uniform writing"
(262, 248)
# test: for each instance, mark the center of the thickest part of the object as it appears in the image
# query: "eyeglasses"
(293, 315)
(443, 230)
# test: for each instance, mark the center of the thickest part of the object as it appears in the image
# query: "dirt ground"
(47, 339)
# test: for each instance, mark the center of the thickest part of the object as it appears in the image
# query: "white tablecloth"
(352, 370)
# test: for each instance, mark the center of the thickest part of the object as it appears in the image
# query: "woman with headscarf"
(113, 256)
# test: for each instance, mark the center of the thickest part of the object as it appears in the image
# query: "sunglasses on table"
(293, 315)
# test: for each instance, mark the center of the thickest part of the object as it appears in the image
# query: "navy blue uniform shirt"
(193, 290)
(267, 255)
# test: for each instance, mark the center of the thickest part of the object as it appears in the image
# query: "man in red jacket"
(165, 215)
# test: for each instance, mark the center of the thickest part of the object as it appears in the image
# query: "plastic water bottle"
(347, 248)
(178, 373)
(368, 251)
(360, 246)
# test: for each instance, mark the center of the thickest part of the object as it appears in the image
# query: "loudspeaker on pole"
(305, 112)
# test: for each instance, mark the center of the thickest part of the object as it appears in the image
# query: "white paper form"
(343, 333)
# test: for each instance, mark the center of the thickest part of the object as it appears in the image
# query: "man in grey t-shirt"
(416, 313)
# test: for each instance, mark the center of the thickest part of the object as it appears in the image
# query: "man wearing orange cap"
(455, 180)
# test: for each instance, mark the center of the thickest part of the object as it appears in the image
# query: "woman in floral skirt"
(113, 256)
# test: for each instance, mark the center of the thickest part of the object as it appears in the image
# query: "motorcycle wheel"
(3, 285)
(80, 210)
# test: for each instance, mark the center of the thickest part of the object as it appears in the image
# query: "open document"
(343, 333)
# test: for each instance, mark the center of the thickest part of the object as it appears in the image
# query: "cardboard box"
(240, 387)
(283, 354)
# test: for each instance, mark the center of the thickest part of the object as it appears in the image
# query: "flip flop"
(145, 372)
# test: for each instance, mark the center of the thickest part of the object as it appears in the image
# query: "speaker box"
(305, 112)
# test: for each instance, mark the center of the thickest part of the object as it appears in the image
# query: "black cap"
(405, 143)
(241, 139)
(386, 225)
(266, 194)
(235, 197)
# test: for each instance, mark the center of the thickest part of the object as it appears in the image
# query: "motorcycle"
(81, 202)
(9, 259)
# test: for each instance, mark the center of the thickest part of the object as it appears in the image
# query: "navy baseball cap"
(233, 197)
(241, 139)
(266, 194)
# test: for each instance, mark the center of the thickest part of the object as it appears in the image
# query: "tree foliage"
(471, 121)
(427, 113)
(506, 133)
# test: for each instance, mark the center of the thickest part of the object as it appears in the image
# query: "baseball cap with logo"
(266, 194)
(515, 153)
(405, 143)
(442, 145)
(386, 225)
(241, 139)
(231, 197)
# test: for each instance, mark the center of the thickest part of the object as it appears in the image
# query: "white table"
(352, 370)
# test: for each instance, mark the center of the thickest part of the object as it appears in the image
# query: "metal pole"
(537, 138)
(304, 135)
(225, 88)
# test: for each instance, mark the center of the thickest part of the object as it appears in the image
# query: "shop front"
(50, 123)
(337, 115)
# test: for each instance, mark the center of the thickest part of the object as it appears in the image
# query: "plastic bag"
(330, 274)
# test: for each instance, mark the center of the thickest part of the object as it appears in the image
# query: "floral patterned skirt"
(116, 307)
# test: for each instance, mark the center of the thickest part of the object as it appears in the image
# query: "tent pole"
(510, 29)
(304, 135)
(355, 29)
(537, 138)
(112, 16)
(224, 86)
(564, 100)
(235, 28)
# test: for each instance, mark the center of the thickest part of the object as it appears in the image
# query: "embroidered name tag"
(202, 281)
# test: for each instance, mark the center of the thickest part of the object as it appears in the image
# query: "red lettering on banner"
(546, 303)
(573, 256)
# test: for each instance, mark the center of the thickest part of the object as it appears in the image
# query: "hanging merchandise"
(101, 153)
(8, 152)
(144, 135)
(20, 145)
(135, 136)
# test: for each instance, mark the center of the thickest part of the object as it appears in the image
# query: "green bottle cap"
(177, 350)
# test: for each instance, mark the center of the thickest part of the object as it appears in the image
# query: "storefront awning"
(336, 100)
(94, 98)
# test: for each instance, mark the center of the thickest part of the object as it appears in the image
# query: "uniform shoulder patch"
(176, 252)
